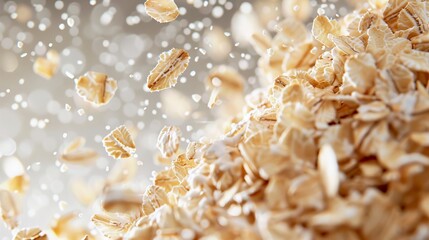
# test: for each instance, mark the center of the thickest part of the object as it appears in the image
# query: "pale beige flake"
(416, 60)
(339, 212)
(348, 45)
(112, 225)
(9, 209)
(181, 166)
(424, 204)
(421, 138)
(421, 42)
(366, 21)
(414, 16)
(162, 11)
(371, 169)
(153, 198)
(391, 155)
(328, 170)
(360, 74)
(372, 112)
(261, 43)
(96, 88)
(30, 234)
(396, 79)
(122, 200)
(169, 140)
(47, 67)
(322, 28)
(75, 152)
(214, 98)
(391, 12)
(300, 57)
(18, 183)
(140, 232)
(170, 65)
(340, 138)
(306, 192)
(119, 144)
(69, 226)
(226, 78)
(381, 218)
(166, 179)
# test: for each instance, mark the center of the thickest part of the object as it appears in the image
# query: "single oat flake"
(169, 140)
(30, 234)
(9, 208)
(96, 88)
(19, 183)
(170, 65)
(75, 152)
(112, 225)
(328, 169)
(47, 67)
(119, 144)
(162, 11)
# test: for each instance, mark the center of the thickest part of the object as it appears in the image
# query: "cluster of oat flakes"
(335, 147)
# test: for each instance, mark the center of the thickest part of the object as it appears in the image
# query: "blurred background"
(39, 116)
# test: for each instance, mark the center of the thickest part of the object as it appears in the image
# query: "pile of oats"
(334, 147)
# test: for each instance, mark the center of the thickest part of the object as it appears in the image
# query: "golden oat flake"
(119, 144)
(96, 88)
(162, 11)
(170, 65)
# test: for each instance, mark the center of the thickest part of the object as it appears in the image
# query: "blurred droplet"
(38, 100)
(8, 62)
(12, 167)
(7, 146)
(131, 46)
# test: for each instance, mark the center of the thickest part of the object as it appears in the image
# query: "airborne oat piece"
(75, 152)
(46, 67)
(112, 225)
(68, 226)
(170, 65)
(96, 88)
(18, 183)
(30, 234)
(162, 11)
(169, 140)
(328, 169)
(119, 144)
(9, 208)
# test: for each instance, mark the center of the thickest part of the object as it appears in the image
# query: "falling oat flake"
(170, 65)
(162, 11)
(96, 88)
(119, 143)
